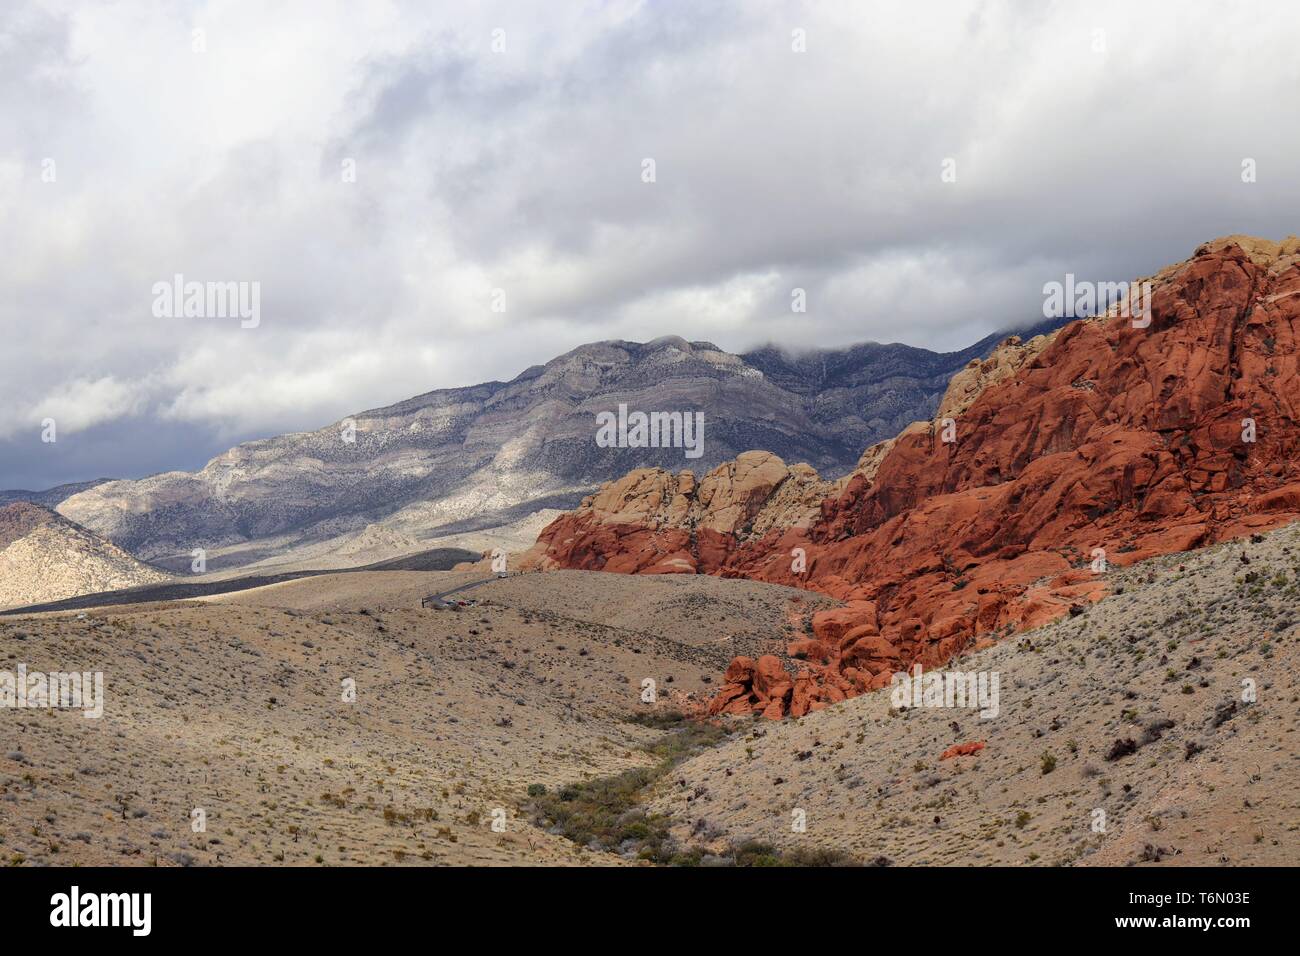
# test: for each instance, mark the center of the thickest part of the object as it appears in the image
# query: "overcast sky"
(1101, 139)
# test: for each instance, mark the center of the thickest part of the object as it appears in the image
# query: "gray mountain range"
(455, 460)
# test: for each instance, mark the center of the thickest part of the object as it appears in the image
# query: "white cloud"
(77, 405)
(521, 171)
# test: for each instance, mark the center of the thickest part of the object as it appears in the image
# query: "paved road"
(437, 559)
(440, 599)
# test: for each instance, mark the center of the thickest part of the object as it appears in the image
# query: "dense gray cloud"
(1104, 139)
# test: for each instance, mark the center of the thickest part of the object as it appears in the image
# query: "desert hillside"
(1133, 707)
(45, 557)
(233, 705)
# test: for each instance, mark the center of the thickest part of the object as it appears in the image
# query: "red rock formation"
(962, 750)
(1115, 437)
(651, 521)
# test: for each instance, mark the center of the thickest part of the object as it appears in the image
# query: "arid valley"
(233, 706)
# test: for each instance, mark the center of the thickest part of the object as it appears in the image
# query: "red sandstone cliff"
(1133, 440)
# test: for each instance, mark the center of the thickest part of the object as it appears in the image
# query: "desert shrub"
(1121, 748)
(756, 853)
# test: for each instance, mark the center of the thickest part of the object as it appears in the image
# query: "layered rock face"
(652, 521)
(1110, 442)
(45, 557)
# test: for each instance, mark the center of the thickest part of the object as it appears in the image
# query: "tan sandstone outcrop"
(1004, 361)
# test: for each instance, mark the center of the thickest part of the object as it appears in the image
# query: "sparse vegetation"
(607, 813)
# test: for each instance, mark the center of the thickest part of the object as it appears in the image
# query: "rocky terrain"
(453, 461)
(1111, 438)
(1160, 725)
(652, 521)
(45, 557)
